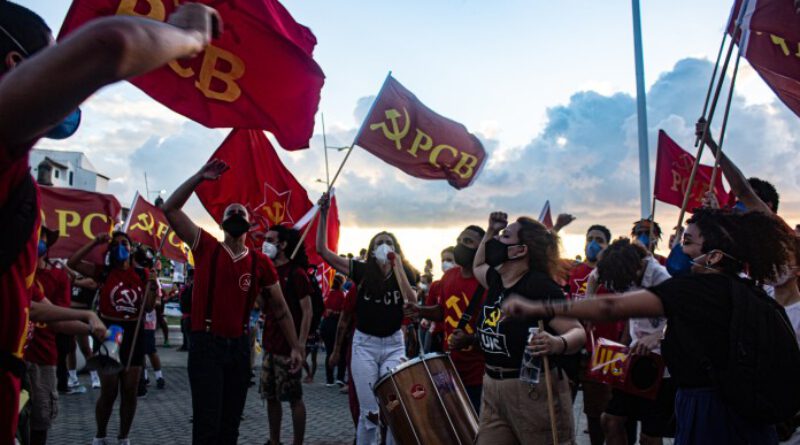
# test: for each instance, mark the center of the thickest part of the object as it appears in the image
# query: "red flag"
(405, 133)
(770, 41)
(258, 180)
(79, 216)
(147, 224)
(673, 168)
(259, 74)
(545, 217)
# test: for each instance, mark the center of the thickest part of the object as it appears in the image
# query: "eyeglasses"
(16, 42)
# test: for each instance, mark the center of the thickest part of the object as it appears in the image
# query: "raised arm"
(497, 222)
(76, 262)
(102, 52)
(635, 304)
(178, 221)
(737, 180)
(342, 265)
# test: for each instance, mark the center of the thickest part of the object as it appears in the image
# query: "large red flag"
(258, 180)
(770, 40)
(79, 216)
(259, 74)
(673, 168)
(405, 133)
(147, 224)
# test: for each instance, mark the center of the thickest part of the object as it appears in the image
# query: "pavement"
(164, 416)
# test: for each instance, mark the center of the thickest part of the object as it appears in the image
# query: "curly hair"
(291, 237)
(647, 221)
(765, 191)
(543, 247)
(758, 243)
(620, 263)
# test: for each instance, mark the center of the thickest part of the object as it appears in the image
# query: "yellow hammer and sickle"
(395, 134)
(146, 223)
(275, 213)
(494, 318)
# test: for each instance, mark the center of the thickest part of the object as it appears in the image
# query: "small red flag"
(545, 217)
(258, 180)
(673, 168)
(405, 133)
(770, 41)
(258, 74)
(147, 225)
(79, 216)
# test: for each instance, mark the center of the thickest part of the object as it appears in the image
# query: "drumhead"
(407, 364)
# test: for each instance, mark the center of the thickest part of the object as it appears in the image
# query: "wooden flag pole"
(711, 82)
(551, 407)
(718, 155)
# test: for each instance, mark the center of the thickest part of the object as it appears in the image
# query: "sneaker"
(95, 382)
(124, 442)
(80, 389)
(142, 392)
(147, 381)
(160, 383)
(330, 385)
(340, 383)
(73, 382)
(100, 441)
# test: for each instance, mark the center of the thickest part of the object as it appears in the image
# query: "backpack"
(761, 381)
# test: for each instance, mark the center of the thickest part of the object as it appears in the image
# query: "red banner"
(673, 168)
(770, 40)
(79, 216)
(147, 225)
(405, 133)
(258, 179)
(259, 74)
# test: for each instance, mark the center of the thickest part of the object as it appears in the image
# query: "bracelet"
(563, 340)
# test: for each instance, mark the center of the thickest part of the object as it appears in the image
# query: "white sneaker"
(124, 442)
(99, 441)
(73, 382)
(95, 381)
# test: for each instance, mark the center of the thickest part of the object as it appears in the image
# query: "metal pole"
(641, 113)
(718, 156)
(325, 143)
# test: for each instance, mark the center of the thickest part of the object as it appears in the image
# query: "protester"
(453, 297)
(32, 106)
(232, 274)
(143, 259)
(628, 266)
(334, 304)
(648, 233)
(595, 395)
(83, 297)
(384, 283)
(523, 259)
(125, 292)
(278, 382)
(698, 309)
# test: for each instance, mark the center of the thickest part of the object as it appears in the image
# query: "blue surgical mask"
(592, 250)
(739, 207)
(42, 250)
(121, 252)
(66, 127)
(678, 263)
(644, 239)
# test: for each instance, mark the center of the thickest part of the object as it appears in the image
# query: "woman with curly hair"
(521, 258)
(384, 286)
(699, 309)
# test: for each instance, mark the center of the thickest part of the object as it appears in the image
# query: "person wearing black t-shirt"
(698, 308)
(521, 258)
(384, 286)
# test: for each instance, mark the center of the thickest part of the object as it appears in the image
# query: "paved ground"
(163, 417)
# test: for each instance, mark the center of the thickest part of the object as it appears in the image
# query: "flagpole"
(325, 144)
(713, 108)
(718, 155)
(652, 222)
(130, 213)
(341, 166)
(713, 78)
(641, 112)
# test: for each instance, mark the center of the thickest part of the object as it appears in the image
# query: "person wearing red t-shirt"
(454, 293)
(278, 383)
(32, 106)
(334, 304)
(126, 293)
(229, 280)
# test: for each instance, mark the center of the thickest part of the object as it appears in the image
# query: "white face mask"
(381, 253)
(783, 274)
(447, 265)
(269, 249)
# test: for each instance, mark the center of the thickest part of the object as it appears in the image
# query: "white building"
(70, 169)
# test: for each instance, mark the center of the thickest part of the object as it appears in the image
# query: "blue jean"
(219, 375)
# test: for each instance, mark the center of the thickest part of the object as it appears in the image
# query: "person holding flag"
(229, 279)
(384, 286)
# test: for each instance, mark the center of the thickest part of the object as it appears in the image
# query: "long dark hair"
(542, 243)
(374, 281)
(758, 243)
(620, 263)
(291, 237)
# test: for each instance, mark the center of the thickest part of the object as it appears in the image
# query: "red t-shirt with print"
(54, 285)
(434, 294)
(232, 299)
(295, 286)
(335, 300)
(122, 293)
(454, 295)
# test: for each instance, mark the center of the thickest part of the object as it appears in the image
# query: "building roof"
(55, 163)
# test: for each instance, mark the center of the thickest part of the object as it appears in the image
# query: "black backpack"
(761, 381)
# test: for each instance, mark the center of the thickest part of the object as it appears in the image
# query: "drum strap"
(471, 307)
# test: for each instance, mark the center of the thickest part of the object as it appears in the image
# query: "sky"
(548, 87)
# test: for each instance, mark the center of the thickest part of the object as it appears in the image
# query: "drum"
(424, 402)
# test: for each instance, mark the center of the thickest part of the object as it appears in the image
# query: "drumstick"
(550, 404)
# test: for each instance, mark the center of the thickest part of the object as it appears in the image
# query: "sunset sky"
(547, 86)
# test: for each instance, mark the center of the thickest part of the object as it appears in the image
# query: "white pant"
(372, 357)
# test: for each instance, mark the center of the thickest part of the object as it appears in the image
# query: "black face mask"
(236, 225)
(496, 252)
(464, 256)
